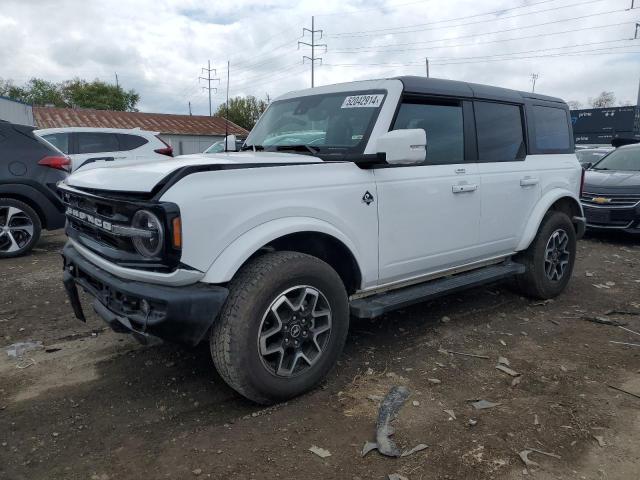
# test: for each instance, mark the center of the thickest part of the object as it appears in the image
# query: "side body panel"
(228, 215)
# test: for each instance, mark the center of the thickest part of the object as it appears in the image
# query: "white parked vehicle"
(99, 147)
(402, 190)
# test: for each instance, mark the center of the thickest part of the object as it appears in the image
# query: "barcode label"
(360, 101)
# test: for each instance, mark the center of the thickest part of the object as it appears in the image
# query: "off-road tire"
(534, 282)
(33, 217)
(235, 333)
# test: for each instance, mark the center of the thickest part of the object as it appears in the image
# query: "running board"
(376, 305)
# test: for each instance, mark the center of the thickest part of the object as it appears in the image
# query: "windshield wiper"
(298, 148)
(257, 148)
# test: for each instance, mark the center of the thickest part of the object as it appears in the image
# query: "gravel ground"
(92, 404)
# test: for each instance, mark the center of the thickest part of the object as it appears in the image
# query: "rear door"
(510, 180)
(429, 212)
(96, 148)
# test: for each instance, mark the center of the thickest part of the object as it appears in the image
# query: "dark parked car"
(30, 168)
(611, 194)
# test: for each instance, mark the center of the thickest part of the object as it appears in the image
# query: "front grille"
(104, 210)
(103, 219)
(614, 199)
(610, 217)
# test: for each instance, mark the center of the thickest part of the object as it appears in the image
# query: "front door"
(429, 213)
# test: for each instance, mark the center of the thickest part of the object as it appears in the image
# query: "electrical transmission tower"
(313, 46)
(534, 77)
(209, 79)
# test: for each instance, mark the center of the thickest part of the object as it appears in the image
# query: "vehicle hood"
(611, 181)
(143, 176)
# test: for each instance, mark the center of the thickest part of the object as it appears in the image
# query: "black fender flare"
(46, 204)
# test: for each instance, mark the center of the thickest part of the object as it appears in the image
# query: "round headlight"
(150, 244)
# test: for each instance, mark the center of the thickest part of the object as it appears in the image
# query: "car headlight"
(151, 243)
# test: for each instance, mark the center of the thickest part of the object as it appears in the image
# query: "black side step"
(376, 305)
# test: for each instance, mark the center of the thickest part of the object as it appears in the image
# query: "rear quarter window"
(551, 126)
(58, 140)
(130, 142)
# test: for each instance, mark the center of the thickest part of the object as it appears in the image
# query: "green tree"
(72, 93)
(98, 95)
(9, 90)
(243, 111)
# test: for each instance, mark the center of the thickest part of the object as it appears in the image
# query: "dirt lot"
(96, 405)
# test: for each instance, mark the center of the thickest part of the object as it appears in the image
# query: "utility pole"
(534, 77)
(117, 84)
(226, 120)
(209, 79)
(427, 63)
(190, 109)
(313, 46)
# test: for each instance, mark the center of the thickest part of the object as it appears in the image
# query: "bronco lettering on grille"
(88, 218)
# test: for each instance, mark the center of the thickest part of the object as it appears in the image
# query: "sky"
(577, 48)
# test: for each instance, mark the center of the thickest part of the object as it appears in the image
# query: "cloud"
(158, 47)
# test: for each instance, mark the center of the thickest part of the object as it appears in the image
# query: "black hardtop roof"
(455, 88)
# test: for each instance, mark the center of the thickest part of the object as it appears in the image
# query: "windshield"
(327, 123)
(626, 159)
(590, 156)
(216, 147)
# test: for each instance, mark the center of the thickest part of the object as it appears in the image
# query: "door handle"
(464, 187)
(528, 181)
(460, 170)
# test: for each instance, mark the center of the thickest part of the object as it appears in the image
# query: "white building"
(16, 112)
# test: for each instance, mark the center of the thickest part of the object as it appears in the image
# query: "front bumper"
(626, 219)
(178, 314)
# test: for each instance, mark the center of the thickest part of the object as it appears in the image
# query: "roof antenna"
(226, 119)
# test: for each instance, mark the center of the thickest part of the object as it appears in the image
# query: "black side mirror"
(587, 166)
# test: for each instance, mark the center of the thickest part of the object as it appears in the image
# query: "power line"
(390, 31)
(372, 48)
(473, 44)
(313, 46)
(487, 58)
(209, 80)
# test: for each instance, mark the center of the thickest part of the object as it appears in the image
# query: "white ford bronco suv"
(351, 199)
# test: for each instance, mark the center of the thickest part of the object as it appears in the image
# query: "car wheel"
(550, 258)
(19, 228)
(282, 328)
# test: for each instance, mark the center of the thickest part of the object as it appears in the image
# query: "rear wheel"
(19, 228)
(282, 328)
(550, 258)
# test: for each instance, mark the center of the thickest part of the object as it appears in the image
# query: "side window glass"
(95, 142)
(500, 132)
(130, 142)
(58, 140)
(552, 129)
(443, 125)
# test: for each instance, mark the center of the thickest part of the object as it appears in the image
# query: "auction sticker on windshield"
(359, 101)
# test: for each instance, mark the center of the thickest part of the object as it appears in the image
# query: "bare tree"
(604, 100)
(574, 105)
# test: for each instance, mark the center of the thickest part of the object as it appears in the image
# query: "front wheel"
(550, 258)
(282, 328)
(19, 228)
